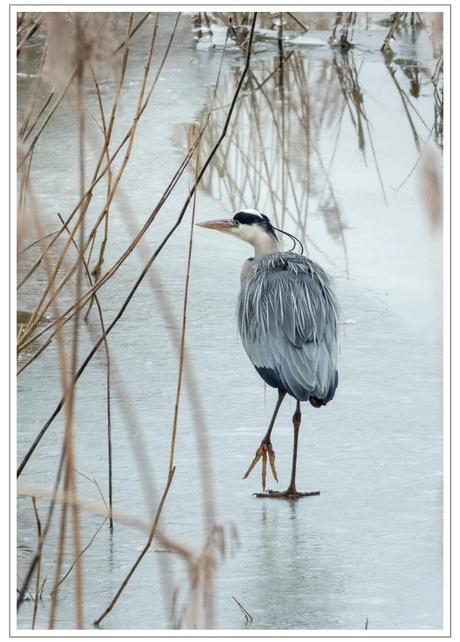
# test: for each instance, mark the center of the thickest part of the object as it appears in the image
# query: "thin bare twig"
(39, 548)
(248, 616)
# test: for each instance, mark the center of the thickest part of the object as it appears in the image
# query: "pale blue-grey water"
(369, 548)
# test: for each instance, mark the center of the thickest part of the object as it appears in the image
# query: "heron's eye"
(237, 223)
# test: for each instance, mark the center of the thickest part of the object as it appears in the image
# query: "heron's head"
(247, 225)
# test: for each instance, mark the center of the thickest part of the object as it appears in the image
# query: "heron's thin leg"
(296, 419)
(281, 395)
(291, 491)
(265, 447)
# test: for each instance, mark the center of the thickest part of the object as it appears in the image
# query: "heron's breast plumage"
(288, 321)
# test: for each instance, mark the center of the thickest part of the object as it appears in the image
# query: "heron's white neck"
(263, 244)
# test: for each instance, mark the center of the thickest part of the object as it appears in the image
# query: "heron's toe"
(264, 452)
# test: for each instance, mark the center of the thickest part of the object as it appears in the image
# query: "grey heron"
(288, 317)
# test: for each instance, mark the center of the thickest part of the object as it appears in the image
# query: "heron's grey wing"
(287, 316)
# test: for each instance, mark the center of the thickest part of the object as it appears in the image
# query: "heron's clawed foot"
(287, 494)
(265, 451)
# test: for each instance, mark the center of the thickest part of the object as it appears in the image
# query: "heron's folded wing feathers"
(287, 316)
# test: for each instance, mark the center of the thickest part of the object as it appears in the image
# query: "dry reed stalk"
(39, 549)
(41, 309)
(431, 185)
(109, 412)
(97, 269)
(348, 78)
(398, 16)
(25, 130)
(63, 368)
(206, 560)
(406, 103)
(91, 506)
(98, 177)
(25, 155)
(41, 306)
(71, 360)
(107, 132)
(338, 19)
(205, 563)
(73, 503)
(69, 462)
(27, 23)
(68, 314)
(133, 31)
(298, 21)
(132, 245)
(63, 360)
(194, 137)
(62, 319)
(69, 479)
(142, 464)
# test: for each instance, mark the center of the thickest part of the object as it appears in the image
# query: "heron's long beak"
(222, 225)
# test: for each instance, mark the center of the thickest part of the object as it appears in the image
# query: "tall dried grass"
(77, 48)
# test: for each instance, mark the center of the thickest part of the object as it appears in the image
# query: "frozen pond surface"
(369, 547)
